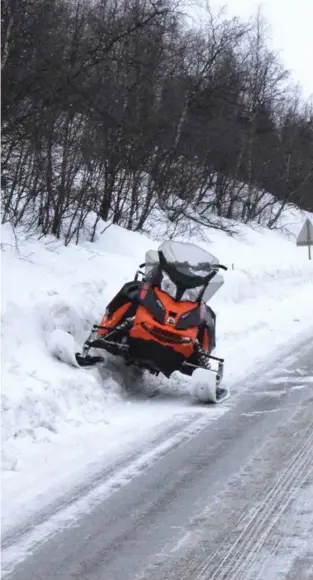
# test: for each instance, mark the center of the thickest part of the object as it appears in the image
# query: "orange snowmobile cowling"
(147, 327)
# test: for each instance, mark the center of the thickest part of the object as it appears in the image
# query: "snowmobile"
(160, 321)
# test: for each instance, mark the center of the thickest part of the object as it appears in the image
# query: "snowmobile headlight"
(152, 303)
(189, 319)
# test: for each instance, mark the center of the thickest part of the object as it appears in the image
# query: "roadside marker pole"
(305, 237)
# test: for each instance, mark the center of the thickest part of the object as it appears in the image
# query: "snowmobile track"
(254, 535)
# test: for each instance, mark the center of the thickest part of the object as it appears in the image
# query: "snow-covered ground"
(56, 418)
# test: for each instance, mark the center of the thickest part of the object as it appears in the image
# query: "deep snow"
(265, 303)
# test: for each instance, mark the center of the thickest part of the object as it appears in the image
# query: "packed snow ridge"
(266, 301)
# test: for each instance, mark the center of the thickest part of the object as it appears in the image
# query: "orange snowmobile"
(160, 321)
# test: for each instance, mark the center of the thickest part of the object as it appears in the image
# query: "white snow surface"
(50, 409)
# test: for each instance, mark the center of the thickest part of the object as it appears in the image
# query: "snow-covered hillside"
(266, 302)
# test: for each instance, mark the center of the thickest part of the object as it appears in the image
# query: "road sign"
(305, 238)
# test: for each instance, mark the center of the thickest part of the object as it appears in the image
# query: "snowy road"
(232, 499)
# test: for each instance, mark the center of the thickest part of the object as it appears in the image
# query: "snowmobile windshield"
(188, 258)
(185, 270)
(168, 286)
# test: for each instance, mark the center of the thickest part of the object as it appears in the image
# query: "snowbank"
(267, 299)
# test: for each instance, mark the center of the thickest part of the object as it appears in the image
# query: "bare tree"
(117, 111)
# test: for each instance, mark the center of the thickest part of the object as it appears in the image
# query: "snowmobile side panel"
(205, 341)
(111, 321)
(128, 293)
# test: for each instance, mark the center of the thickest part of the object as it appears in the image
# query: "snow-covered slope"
(266, 301)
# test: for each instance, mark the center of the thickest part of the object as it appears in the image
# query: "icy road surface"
(232, 499)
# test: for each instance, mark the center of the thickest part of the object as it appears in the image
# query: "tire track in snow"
(236, 538)
(289, 541)
(238, 561)
(17, 545)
